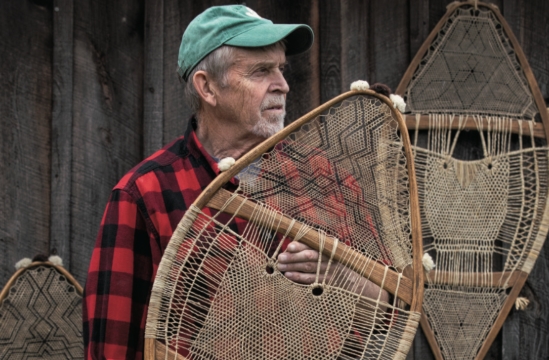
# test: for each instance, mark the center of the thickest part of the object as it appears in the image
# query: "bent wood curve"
(60, 269)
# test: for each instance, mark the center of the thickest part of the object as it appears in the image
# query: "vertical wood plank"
(419, 24)
(355, 44)
(108, 110)
(25, 110)
(512, 12)
(177, 15)
(389, 38)
(535, 42)
(153, 77)
(437, 9)
(61, 129)
(314, 58)
(329, 39)
(510, 334)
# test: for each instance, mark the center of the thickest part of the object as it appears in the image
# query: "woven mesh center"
(474, 212)
(461, 327)
(326, 153)
(473, 226)
(41, 318)
(471, 69)
(276, 302)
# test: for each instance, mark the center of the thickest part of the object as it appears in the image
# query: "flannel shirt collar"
(194, 147)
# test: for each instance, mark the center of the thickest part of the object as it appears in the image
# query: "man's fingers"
(298, 252)
(306, 267)
(302, 256)
(295, 247)
(299, 263)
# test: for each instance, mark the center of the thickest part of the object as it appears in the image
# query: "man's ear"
(205, 87)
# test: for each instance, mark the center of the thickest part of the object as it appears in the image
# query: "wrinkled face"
(255, 96)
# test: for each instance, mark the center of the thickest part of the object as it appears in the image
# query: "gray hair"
(216, 64)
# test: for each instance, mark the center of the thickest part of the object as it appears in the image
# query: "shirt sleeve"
(119, 280)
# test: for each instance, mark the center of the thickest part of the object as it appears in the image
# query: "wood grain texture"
(330, 39)
(389, 46)
(496, 279)
(108, 107)
(153, 77)
(355, 31)
(533, 30)
(26, 112)
(437, 9)
(156, 350)
(61, 130)
(421, 52)
(176, 112)
(419, 24)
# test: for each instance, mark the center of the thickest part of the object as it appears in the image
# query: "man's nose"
(279, 83)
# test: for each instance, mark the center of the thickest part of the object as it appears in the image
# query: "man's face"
(255, 96)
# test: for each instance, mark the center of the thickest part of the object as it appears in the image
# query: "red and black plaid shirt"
(141, 215)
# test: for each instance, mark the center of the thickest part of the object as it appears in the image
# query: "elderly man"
(233, 62)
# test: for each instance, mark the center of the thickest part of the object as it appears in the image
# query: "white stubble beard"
(267, 127)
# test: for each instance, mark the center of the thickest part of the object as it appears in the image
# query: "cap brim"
(299, 38)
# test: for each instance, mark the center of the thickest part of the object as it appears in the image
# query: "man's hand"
(299, 263)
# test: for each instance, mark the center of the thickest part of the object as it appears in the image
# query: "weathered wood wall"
(88, 88)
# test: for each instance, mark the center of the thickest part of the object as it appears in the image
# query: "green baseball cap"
(236, 25)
